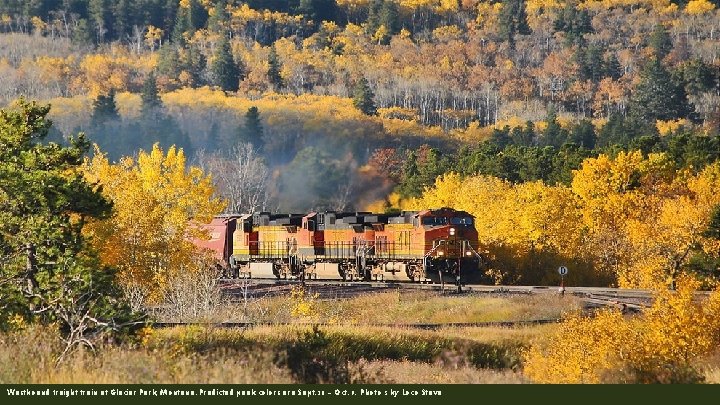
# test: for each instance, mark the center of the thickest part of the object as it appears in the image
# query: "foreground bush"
(662, 345)
(327, 355)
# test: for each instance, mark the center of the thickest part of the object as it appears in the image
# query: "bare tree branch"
(240, 176)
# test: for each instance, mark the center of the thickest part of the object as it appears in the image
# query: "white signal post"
(563, 272)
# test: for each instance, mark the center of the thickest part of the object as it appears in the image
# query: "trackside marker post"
(563, 272)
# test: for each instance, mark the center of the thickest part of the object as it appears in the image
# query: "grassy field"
(304, 339)
(347, 347)
(300, 338)
(399, 307)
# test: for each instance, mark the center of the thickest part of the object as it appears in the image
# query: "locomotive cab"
(450, 245)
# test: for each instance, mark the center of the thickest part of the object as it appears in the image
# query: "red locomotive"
(431, 245)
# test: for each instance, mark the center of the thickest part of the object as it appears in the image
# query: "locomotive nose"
(455, 231)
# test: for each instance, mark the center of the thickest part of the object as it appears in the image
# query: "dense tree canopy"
(390, 94)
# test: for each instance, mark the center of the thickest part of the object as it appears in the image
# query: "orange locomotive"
(431, 245)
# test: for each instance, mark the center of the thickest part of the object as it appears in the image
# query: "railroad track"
(628, 300)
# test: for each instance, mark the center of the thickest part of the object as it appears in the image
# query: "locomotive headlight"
(452, 231)
(468, 253)
(441, 253)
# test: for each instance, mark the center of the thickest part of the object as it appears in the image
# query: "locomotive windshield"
(461, 221)
(434, 221)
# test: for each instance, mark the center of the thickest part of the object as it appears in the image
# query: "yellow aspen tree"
(581, 350)
(153, 37)
(699, 7)
(661, 345)
(158, 205)
(515, 223)
(614, 194)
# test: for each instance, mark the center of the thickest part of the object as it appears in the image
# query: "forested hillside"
(578, 133)
(523, 90)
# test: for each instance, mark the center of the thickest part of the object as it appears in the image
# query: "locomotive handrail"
(364, 248)
(348, 250)
(467, 242)
(435, 247)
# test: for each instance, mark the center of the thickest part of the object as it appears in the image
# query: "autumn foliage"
(158, 204)
(630, 220)
(662, 345)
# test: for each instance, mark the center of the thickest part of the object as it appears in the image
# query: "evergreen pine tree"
(363, 97)
(657, 96)
(225, 72)
(196, 16)
(583, 134)
(390, 17)
(318, 11)
(193, 61)
(612, 67)
(253, 129)
(274, 68)
(501, 137)
(373, 18)
(218, 19)
(168, 61)
(105, 109)
(705, 261)
(411, 182)
(523, 136)
(573, 22)
(182, 26)
(699, 77)
(660, 42)
(122, 18)
(82, 34)
(592, 66)
(307, 9)
(150, 97)
(713, 229)
(553, 135)
(101, 18)
(49, 272)
(621, 131)
(213, 141)
(432, 167)
(169, 14)
(513, 20)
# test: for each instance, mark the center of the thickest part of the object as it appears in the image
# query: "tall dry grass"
(350, 342)
(408, 372)
(29, 357)
(348, 348)
(395, 307)
(269, 355)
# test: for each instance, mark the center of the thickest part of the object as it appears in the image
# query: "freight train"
(437, 245)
